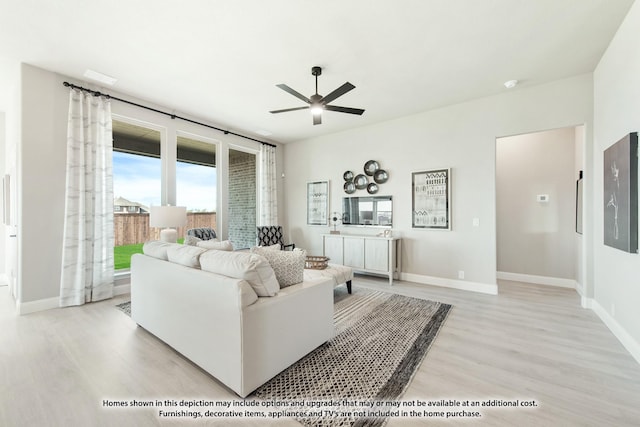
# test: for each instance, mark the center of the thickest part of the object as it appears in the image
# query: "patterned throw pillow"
(288, 265)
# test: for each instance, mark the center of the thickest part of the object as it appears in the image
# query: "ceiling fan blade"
(289, 109)
(338, 92)
(357, 111)
(317, 119)
(298, 95)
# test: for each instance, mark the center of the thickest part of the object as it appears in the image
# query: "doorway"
(536, 177)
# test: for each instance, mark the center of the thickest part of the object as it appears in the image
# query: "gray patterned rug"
(126, 307)
(380, 341)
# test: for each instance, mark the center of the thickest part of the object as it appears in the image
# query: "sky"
(137, 178)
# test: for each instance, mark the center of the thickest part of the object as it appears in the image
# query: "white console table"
(366, 254)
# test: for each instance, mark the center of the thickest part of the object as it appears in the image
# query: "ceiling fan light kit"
(318, 103)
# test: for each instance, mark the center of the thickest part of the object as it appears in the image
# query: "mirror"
(373, 210)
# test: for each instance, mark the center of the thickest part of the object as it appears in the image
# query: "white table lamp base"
(169, 235)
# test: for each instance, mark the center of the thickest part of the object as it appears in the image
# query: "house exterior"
(122, 205)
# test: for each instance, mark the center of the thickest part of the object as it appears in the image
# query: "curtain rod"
(173, 116)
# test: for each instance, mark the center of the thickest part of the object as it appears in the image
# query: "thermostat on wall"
(542, 198)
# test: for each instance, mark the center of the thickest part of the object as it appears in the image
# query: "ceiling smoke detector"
(510, 84)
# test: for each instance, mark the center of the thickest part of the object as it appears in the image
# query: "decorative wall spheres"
(353, 182)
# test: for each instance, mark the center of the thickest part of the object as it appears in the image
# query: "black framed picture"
(621, 194)
(431, 199)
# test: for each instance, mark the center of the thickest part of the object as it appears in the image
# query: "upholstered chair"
(203, 233)
(271, 235)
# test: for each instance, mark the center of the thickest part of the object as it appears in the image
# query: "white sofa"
(220, 323)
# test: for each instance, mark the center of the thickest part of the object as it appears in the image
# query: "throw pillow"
(186, 255)
(288, 265)
(225, 245)
(157, 249)
(253, 268)
(191, 240)
(275, 247)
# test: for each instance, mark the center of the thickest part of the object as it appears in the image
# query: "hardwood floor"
(529, 343)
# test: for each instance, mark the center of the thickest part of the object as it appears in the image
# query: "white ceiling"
(220, 60)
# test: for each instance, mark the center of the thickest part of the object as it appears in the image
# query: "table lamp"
(166, 217)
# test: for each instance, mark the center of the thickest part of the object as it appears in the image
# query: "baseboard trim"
(38, 305)
(49, 303)
(122, 289)
(484, 288)
(538, 280)
(632, 346)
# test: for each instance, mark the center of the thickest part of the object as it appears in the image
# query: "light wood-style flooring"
(529, 342)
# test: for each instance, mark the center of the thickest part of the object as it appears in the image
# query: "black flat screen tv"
(370, 210)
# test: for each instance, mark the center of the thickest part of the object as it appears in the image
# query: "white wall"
(617, 112)
(461, 137)
(3, 235)
(42, 151)
(10, 108)
(537, 238)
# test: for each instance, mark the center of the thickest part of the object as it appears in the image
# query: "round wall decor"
(371, 167)
(349, 187)
(361, 181)
(380, 176)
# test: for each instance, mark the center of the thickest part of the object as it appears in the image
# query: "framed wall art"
(318, 203)
(620, 202)
(431, 199)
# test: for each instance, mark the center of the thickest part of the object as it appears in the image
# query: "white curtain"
(268, 183)
(87, 253)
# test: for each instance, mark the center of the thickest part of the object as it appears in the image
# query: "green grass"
(122, 254)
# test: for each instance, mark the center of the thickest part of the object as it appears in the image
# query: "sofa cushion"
(157, 249)
(288, 265)
(225, 245)
(253, 268)
(186, 255)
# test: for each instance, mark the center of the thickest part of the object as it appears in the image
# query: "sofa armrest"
(196, 312)
(279, 330)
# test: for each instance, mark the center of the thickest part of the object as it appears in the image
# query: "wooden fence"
(130, 229)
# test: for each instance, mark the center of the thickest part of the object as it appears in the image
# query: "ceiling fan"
(318, 103)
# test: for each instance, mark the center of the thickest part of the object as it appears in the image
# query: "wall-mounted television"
(370, 210)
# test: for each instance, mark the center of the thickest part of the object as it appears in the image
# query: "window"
(196, 181)
(136, 186)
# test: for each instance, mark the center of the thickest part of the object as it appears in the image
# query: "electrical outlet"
(476, 222)
(460, 274)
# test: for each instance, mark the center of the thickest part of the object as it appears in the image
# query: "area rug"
(125, 307)
(357, 378)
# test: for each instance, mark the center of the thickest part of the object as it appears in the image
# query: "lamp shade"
(168, 216)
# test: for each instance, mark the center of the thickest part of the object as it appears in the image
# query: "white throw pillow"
(191, 240)
(288, 265)
(185, 255)
(157, 249)
(275, 247)
(225, 245)
(253, 268)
